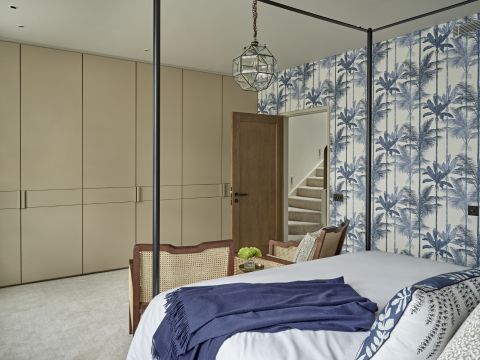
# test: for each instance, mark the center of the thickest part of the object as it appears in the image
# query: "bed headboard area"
(426, 143)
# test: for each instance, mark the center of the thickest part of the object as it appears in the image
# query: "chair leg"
(135, 319)
(130, 327)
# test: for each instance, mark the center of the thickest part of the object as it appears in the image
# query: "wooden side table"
(268, 262)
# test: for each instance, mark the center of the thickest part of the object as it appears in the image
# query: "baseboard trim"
(63, 277)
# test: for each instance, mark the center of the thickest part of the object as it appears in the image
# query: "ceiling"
(207, 34)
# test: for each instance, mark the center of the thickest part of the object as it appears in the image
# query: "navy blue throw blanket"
(199, 319)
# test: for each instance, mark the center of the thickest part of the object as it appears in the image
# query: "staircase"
(305, 206)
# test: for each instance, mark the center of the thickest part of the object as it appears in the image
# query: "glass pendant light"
(255, 68)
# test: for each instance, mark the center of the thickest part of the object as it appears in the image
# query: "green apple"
(249, 252)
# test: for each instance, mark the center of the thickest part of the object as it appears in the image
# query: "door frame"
(280, 174)
(287, 115)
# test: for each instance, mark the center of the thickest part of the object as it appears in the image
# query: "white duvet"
(375, 275)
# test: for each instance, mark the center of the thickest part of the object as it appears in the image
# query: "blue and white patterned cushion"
(306, 249)
(465, 344)
(420, 319)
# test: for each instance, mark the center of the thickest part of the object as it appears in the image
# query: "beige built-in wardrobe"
(76, 160)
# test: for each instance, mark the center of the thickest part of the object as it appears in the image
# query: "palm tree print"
(426, 136)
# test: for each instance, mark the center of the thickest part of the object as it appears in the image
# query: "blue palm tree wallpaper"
(426, 145)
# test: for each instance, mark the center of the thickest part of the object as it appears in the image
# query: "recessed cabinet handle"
(23, 199)
(137, 194)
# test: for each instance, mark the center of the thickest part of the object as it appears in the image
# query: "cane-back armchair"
(329, 242)
(179, 266)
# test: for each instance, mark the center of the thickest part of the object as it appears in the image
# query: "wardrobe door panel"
(226, 219)
(9, 116)
(171, 125)
(201, 220)
(108, 236)
(234, 100)
(108, 122)
(51, 119)
(9, 247)
(51, 242)
(170, 218)
(202, 128)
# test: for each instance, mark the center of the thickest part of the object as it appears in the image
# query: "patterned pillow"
(306, 249)
(420, 319)
(465, 344)
(316, 234)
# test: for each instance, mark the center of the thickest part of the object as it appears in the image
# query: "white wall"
(307, 137)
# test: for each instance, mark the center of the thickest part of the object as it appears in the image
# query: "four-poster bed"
(368, 146)
(397, 271)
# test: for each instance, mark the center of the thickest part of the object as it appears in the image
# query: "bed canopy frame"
(368, 158)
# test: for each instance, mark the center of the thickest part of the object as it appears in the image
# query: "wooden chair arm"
(266, 258)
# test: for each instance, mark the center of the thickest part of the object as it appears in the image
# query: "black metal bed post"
(156, 147)
(368, 143)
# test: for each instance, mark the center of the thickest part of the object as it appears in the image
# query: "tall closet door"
(202, 128)
(9, 246)
(109, 235)
(9, 116)
(171, 125)
(9, 163)
(51, 151)
(108, 162)
(202, 161)
(170, 152)
(170, 218)
(51, 119)
(51, 242)
(108, 122)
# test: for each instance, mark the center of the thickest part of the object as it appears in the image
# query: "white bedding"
(375, 275)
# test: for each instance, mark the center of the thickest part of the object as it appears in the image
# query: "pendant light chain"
(255, 15)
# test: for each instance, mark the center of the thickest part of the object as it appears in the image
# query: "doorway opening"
(306, 172)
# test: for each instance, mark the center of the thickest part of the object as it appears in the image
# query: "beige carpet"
(78, 318)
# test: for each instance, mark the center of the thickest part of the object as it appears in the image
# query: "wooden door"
(257, 165)
(234, 100)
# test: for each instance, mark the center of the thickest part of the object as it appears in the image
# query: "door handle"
(240, 194)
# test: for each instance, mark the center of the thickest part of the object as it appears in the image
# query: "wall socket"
(473, 210)
(338, 197)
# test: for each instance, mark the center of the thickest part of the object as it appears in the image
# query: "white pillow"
(306, 249)
(420, 319)
(465, 344)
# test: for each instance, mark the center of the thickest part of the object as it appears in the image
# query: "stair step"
(305, 203)
(310, 191)
(302, 227)
(315, 181)
(298, 214)
(319, 172)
